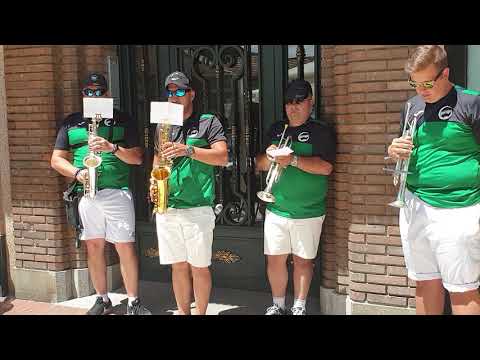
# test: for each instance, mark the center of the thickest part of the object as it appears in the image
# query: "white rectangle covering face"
(166, 113)
(94, 106)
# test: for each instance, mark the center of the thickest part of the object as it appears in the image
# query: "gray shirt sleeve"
(215, 131)
(62, 139)
(475, 117)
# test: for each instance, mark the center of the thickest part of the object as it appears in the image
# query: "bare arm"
(311, 164)
(314, 165)
(60, 162)
(131, 156)
(217, 155)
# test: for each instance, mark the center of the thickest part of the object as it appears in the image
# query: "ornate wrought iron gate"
(243, 83)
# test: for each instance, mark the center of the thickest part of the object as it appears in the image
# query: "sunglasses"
(425, 84)
(94, 92)
(178, 92)
(296, 101)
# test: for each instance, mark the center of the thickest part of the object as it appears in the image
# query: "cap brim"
(180, 86)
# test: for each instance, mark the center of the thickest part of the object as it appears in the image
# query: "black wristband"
(76, 173)
(115, 149)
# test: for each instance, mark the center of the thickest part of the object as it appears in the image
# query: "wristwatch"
(190, 151)
(294, 161)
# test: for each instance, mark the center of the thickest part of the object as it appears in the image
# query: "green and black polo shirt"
(444, 164)
(113, 173)
(192, 182)
(298, 194)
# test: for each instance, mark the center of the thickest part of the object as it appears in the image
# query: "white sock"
(299, 303)
(280, 302)
(131, 299)
(104, 297)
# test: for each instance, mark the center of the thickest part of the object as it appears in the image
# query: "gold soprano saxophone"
(161, 173)
(92, 161)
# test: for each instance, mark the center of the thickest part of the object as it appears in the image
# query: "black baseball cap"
(96, 79)
(178, 78)
(298, 90)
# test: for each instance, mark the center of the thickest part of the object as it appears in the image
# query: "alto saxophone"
(92, 161)
(161, 174)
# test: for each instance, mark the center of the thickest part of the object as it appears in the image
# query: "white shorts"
(186, 235)
(300, 237)
(110, 216)
(441, 243)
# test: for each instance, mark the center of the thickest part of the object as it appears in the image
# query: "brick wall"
(2, 218)
(363, 89)
(43, 86)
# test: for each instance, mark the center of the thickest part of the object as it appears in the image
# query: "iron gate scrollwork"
(222, 78)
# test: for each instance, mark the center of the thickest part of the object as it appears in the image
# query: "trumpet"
(92, 161)
(274, 172)
(401, 172)
(161, 174)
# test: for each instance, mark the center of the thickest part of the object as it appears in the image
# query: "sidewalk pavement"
(158, 297)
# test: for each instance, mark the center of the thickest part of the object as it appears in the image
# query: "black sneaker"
(100, 307)
(298, 311)
(137, 309)
(275, 310)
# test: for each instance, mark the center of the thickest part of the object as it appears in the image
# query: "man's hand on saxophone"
(97, 143)
(82, 176)
(171, 150)
(401, 148)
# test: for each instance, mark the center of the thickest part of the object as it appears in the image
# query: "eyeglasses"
(178, 92)
(94, 92)
(425, 84)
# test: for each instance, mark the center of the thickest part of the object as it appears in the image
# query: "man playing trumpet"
(439, 224)
(293, 222)
(185, 230)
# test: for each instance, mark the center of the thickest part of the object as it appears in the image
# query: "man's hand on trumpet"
(283, 160)
(401, 148)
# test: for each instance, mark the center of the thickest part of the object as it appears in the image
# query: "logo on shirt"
(109, 122)
(445, 113)
(193, 133)
(303, 136)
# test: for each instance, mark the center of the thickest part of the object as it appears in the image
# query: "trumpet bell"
(265, 196)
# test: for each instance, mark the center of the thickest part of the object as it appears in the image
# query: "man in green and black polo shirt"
(185, 231)
(439, 226)
(109, 216)
(293, 223)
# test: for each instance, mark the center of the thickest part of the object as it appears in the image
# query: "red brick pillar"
(365, 87)
(43, 86)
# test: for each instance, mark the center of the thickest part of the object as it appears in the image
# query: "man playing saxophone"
(439, 224)
(109, 214)
(293, 222)
(185, 229)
